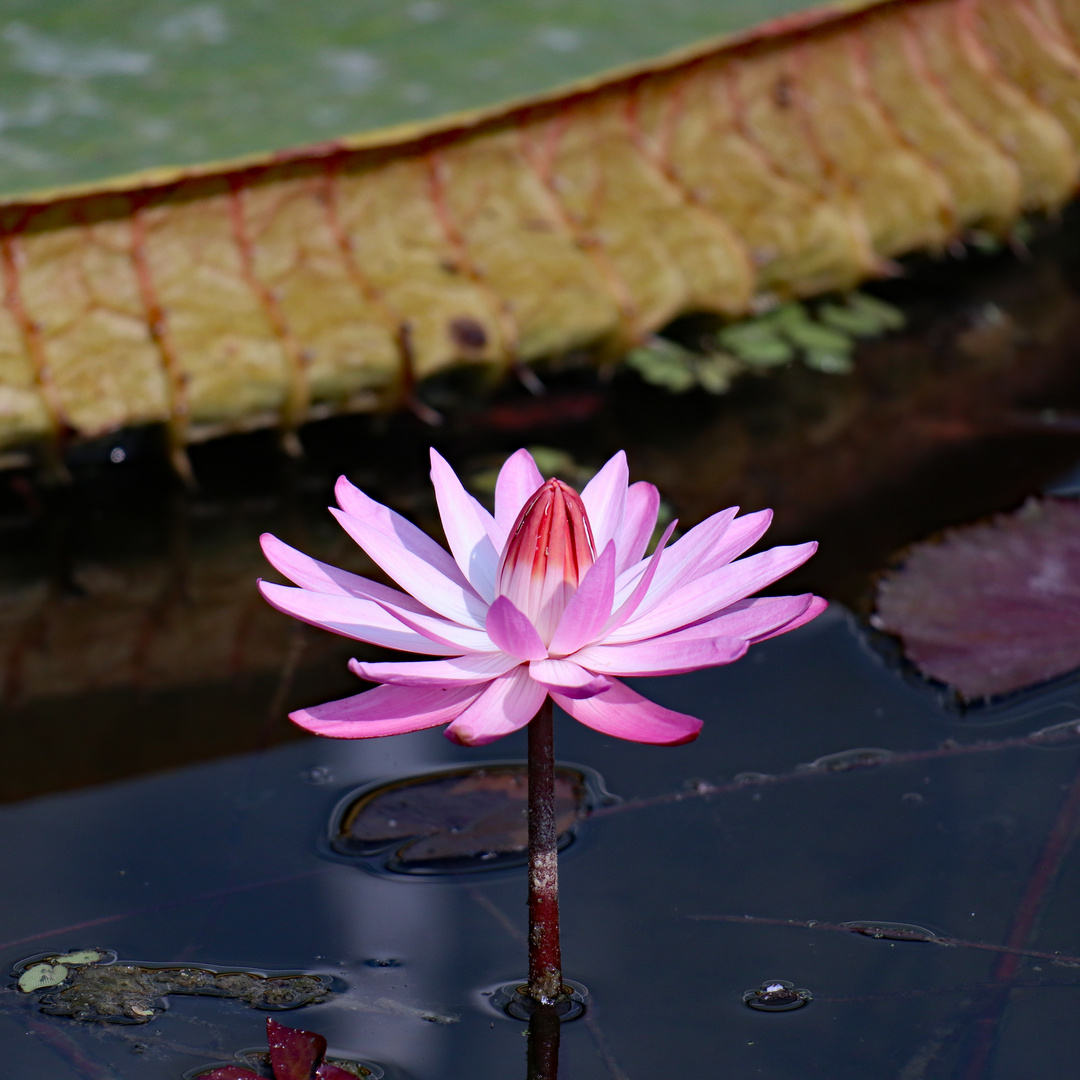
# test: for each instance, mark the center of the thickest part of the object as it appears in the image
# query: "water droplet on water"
(1057, 734)
(317, 774)
(894, 931)
(777, 995)
(382, 962)
(863, 757)
(912, 798)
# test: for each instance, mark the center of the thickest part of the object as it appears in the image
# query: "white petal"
(364, 620)
(604, 497)
(469, 528)
(519, 478)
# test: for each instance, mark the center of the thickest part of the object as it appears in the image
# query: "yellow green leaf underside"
(784, 162)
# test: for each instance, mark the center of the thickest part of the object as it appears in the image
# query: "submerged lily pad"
(994, 607)
(454, 820)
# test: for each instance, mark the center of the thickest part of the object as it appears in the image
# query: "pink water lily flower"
(553, 595)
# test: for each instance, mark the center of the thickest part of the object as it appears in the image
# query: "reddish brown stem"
(545, 954)
(543, 1049)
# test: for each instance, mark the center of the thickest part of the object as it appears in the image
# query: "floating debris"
(294, 1055)
(463, 819)
(895, 931)
(91, 985)
(1057, 734)
(863, 758)
(777, 995)
(994, 607)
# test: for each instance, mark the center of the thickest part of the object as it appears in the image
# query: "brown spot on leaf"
(467, 333)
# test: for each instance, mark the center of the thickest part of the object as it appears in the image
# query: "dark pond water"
(159, 805)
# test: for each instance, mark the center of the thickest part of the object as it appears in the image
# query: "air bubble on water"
(912, 798)
(382, 962)
(777, 995)
(864, 757)
(317, 774)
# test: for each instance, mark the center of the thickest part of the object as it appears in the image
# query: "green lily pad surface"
(90, 88)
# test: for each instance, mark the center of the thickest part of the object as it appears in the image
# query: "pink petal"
(604, 497)
(682, 558)
(758, 617)
(669, 655)
(638, 524)
(511, 631)
(317, 576)
(620, 712)
(710, 594)
(408, 555)
(364, 620)
(741, 535)
(453, 638)
(294, 1054)
(468, 527)
(507, 704)
(386, 710)
(630, 605)
(458, 670)
(518, 480)
(589, 608)
(566, 677)
(816, 606)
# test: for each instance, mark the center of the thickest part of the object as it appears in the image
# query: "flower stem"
(543, 1045)
(545, 954)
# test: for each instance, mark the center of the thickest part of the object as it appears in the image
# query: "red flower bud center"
(547, 555)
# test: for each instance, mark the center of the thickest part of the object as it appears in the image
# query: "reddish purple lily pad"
(994, 607)
(294, 1055)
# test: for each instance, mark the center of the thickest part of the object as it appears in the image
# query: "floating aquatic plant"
(551, 599)
(822, 337)
(992, 607)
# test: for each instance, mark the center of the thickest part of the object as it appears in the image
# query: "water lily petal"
(453, 637)
(630, 604)
(468, 526)
(712, 593)
(672, 654)
(320, 577)
(510, 630)
(364, 620)
(518, 480)
(589, 608)
(567, 677)
(604, 497)
(680, 561)
(507, 703)
(638, 524)
(419, 565)
(758, 616)
(386, 710)
(816, 606)
(457, 670)
(620, 712)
